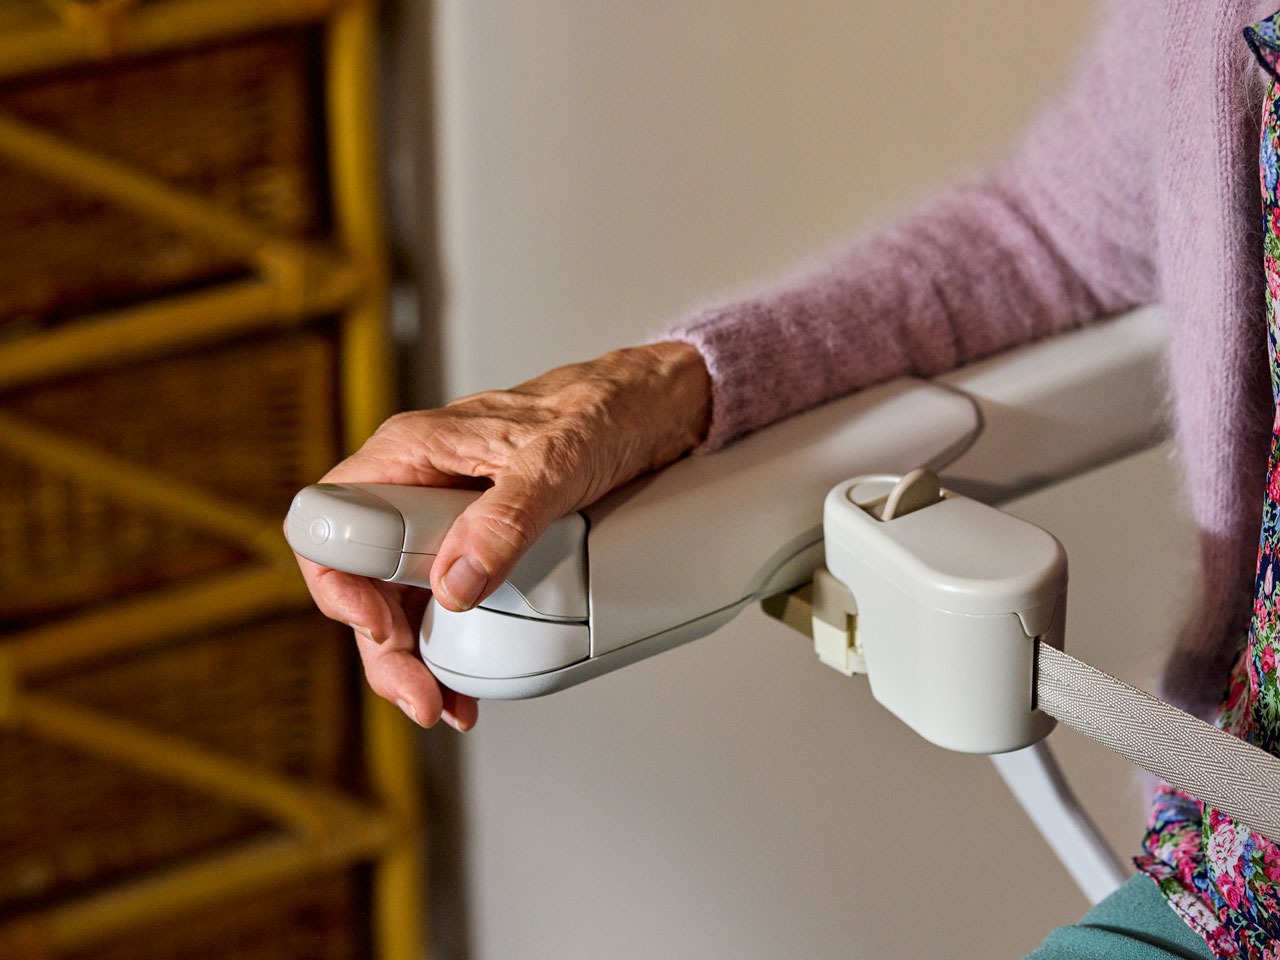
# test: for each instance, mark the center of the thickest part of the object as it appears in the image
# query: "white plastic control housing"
(393, 533)
(374, 529)
(951, 596)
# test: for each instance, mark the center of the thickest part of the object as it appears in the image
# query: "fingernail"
(407, 709)
(464, 581)
(364, 632)
(452, 721)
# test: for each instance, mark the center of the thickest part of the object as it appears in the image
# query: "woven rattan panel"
(317, 920)
(64, 546)
(22, 15)
(252, 422)
(71, 823)
(232, 123)
(275, 695)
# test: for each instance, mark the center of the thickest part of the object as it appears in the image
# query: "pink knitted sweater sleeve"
(1058, 234)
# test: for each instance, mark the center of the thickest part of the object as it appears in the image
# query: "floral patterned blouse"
(1223, 880)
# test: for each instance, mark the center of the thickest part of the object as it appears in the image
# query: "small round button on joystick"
(319, 530)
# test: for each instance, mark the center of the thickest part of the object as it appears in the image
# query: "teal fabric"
(1134, 923)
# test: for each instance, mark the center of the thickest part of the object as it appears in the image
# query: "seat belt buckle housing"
(951, 598)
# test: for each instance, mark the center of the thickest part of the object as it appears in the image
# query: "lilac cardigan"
(1137, 184)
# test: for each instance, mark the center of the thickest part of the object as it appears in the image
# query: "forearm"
(962, 278)
(1057, 235)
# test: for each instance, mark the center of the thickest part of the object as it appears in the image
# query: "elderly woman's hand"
(546, 448)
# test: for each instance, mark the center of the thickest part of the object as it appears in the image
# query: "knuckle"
(326, 604)
(512, 525)
(342, 597)
(398, 422)
(374, 674)
(379, 686)
(394, 431)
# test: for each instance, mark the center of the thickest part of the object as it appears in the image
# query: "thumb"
(487, 540)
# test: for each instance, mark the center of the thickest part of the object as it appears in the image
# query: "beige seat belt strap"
(1225, 772)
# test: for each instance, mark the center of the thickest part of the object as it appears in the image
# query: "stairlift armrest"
(678, 553)
(1055, 409)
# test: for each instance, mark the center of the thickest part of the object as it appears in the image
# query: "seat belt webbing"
(1233, 776)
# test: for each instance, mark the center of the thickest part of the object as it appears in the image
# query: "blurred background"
(236, 234)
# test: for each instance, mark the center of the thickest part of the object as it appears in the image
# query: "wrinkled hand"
(545, 448)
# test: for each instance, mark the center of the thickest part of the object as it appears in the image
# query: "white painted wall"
(603, 166)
